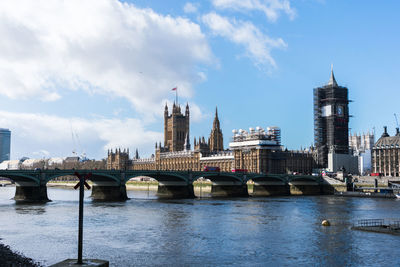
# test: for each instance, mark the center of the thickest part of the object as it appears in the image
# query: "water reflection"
(30, 209)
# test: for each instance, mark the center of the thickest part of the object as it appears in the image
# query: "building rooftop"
(388, 142)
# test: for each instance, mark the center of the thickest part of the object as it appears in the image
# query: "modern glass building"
(5, 140)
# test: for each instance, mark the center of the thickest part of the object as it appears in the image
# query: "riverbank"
(10, 258)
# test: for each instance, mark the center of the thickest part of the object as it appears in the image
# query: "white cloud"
(258, 45)
(101, 46)
(191, 7)
(51, 135)
(271, 8)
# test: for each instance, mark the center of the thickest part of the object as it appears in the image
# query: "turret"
(166, 110)
(187, 109)
(215, 140)
(187, 143)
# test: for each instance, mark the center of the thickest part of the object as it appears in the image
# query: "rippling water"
(145, 231)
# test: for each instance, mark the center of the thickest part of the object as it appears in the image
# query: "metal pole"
(80, 234)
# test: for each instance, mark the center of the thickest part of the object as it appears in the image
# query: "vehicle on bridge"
(239, 170)
(211, 169)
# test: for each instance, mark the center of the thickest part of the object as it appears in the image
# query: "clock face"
(340, 110)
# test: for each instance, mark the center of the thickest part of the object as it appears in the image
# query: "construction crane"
(397, 122)
(76, 142)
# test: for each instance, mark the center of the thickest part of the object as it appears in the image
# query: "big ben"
(331, 120)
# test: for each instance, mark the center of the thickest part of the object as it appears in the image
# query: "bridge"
(110, 185)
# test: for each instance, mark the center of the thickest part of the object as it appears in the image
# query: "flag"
(174, 89)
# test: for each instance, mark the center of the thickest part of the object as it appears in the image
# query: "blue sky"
(101, 71)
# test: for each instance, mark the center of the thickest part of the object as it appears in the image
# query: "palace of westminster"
(260, 151)
(257, 150)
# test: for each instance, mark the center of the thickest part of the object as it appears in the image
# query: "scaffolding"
(331, 122)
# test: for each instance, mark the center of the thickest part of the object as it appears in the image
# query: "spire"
(166, 108)
(216, 120)
(187, 109)
(137, 154)
(187, 143)
(332, 80)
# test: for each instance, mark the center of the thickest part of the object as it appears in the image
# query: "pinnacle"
(332, 80)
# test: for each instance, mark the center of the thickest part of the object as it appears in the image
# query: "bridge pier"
(175, 190)
(270, 188)
(229, 189)
(305, 188)
(104, 192)
(31, 193)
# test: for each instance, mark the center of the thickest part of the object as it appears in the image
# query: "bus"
(376, 174)
(211, 169)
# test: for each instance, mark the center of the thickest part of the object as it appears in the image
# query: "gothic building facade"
(176, 128)
(256, 151)
(216, 140)
(118, 160)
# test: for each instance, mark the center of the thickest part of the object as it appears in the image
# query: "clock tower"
(331, 120)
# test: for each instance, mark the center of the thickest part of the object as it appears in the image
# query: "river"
(145, 231)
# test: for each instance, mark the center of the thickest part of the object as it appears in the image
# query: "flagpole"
(176, 95)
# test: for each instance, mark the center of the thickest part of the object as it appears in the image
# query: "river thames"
(145, 231)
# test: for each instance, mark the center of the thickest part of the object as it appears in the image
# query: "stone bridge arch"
(225, 184)
(171, 184)
(30, 185)
(270, 185)
(304, 185)
(107, 185)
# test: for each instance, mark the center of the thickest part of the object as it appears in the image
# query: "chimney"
(385, 134)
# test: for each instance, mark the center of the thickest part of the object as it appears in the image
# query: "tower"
(176, 128)
(118, 160)
(216, 140)
(331, 120)
(5, 136)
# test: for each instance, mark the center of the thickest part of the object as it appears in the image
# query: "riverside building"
(257, 150)
(5, 138)
(386, 154)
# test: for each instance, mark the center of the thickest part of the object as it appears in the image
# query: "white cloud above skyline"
(48, 133)
(257, 44)
(271, 8)
(114, 50)
(100, 46)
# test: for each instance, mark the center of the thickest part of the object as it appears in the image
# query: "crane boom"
(397, 122)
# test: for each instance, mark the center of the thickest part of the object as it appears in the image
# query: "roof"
(390, 141)
(72, 159)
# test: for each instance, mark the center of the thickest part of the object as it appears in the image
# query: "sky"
(91, 75)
